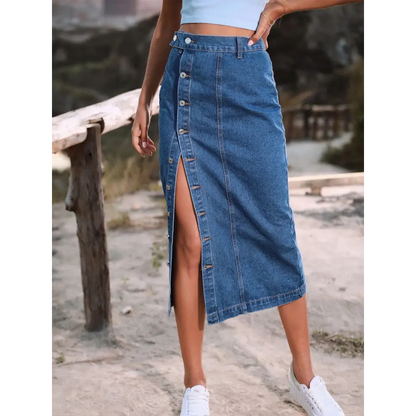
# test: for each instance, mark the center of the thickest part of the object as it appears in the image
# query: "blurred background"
(134, 366)
(100, 50)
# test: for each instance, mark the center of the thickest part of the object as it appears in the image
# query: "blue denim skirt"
(219, 110)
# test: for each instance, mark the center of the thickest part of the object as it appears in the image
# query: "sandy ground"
(136, 368)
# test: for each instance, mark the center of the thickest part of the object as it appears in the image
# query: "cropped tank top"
(244, 14)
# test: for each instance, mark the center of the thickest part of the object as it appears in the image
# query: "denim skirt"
(219, 111)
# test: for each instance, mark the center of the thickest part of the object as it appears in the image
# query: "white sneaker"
(195, 401)
(315, 400)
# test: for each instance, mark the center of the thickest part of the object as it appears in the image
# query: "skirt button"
(183, 75)
(175, 37)
(181, 131)
(188, 41)
(168, 187)
(181, 103)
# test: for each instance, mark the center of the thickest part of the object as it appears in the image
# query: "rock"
(59, 340)
(126, 310)
(309, 51)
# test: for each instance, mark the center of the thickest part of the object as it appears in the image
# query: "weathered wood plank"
(320, 181)
(71, 128)
(85, 198)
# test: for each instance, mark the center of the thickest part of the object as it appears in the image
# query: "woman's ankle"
(303, 372)
(195, 379)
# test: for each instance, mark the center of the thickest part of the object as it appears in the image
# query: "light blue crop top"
(238, 13)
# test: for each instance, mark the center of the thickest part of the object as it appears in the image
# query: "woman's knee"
(188, 248)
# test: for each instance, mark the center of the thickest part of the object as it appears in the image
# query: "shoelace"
(321, 397)
(198, 404)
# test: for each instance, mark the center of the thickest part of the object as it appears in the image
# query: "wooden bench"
(316, 183)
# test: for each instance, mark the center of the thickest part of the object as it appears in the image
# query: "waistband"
(210, 43)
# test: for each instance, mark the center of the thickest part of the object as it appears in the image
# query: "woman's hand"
(274, 10)
(139, 132)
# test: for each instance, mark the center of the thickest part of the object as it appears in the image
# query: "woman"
(223, 167)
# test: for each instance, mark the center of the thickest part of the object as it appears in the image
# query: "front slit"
(172, 277)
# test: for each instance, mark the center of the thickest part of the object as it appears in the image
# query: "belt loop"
(239, 47)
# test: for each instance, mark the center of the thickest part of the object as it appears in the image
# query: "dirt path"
(136, 368)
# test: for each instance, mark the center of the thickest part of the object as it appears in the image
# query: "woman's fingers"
(274, 10)
(265, 36)
(151, 144)
(263, 26)
(137, 141)
(149, 149)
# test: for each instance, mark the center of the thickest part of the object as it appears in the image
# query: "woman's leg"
(294, 316)
(188, 296)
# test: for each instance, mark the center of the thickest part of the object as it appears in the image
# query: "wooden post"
(289, 125)
(85, 198)
(306, 115)
(347, 120)
(327, 115)
(315, 126)
(335, 128)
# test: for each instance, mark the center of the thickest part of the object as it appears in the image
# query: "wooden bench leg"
(86, 199)
(317, 191)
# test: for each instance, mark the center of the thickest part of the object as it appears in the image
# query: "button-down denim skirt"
(219, 110)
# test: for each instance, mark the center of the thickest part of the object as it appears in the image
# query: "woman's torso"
(221, 17)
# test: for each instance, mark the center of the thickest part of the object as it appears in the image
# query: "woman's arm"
(168, 22)
(275, 9)
(301, 5)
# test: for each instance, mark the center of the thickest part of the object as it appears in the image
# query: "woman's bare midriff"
(215, 30)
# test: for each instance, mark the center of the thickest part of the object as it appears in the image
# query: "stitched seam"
(300, 289)
(172, 239)
(201, 197)
(292, 221)
(189, 109)
(226, 176)
(218, 50)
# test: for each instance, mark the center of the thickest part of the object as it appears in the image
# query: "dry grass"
(121, 221)
(159, 250)
(60, 359)
(346, 346)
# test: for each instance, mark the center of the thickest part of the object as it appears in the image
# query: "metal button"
(182, 103)
(175, 37)
(188, 41)
(167, 264)
(181, 131)
(167, 235)
(168, 187)
(183, 75)
(170, 160)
